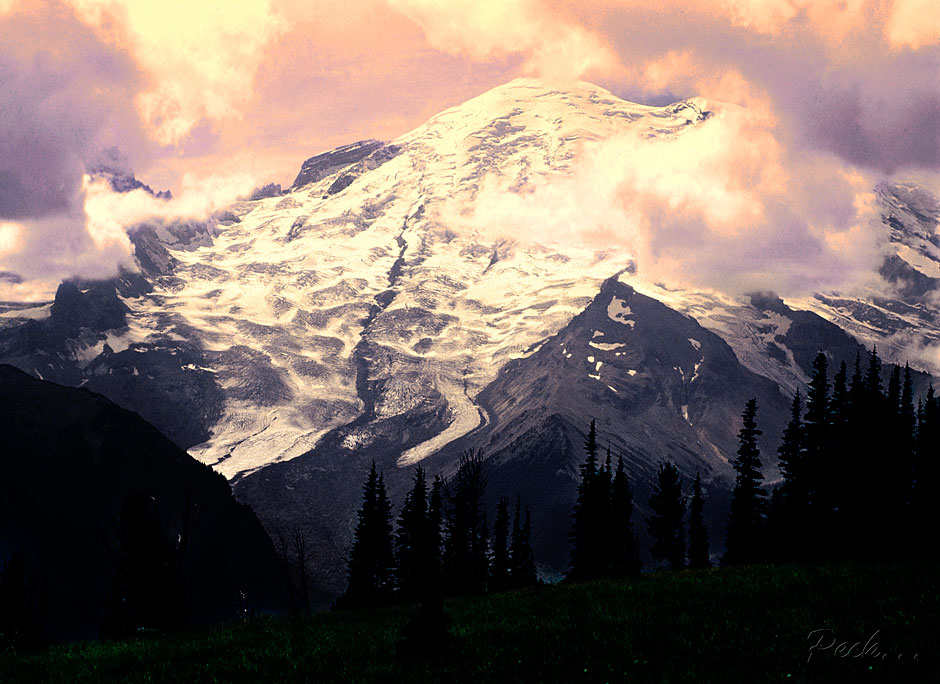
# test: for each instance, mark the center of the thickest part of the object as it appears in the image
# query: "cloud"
(200, 57)
(62, 96)
(834, 90)
(109, 213)
(723, 205)
(856, 77)
(913, 24)
(483, 29)
(44, 251)
(84, 79)
(830, 71)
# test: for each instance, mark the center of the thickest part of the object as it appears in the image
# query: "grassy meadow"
(875, 622)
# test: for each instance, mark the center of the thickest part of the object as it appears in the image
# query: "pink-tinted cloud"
(553, 47)
(835, 73)
(218, 92)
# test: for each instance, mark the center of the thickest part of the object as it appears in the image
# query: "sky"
(210, 99)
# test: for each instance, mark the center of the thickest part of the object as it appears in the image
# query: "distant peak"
(321, 165)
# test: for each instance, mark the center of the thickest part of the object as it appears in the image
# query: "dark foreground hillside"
(70, 460)
(833, 623)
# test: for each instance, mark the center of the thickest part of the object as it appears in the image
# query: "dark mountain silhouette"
(70, 459)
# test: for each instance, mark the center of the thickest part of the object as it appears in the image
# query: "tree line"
(858, 464)
(602, 538)
(442, 542)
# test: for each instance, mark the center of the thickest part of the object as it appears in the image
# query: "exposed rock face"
(265, 191)
(370, 163)
(70, 459)
(86, 341)
(97, 308)
(123, 181)
(322, 165)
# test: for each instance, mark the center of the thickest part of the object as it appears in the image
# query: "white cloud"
(201, 56)
(914, 24)
(553, 47)
(723, 205)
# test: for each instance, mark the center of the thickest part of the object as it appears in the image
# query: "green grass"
(728, 625)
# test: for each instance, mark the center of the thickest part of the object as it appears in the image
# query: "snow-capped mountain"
(294, 338)
(300, 302)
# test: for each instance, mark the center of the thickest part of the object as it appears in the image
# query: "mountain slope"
(70, 459)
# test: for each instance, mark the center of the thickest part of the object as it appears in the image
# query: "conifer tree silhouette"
(817, 459)
(500, 571)
(625, 550)
(414, 541)
(371, 559)
(666, 524)
(840, 457)
(904, 521)
(589, 525)
(436, 532)
(789, 512)
(698, 532)
(522, 561)
(748, 500)
(466, 545)
(925, 477)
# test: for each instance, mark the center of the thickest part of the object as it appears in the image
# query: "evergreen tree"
(384, 508)
(894, 390)
(436, 531)
(698, 533)
(521, 559)
(604, 486)
(147, 591)
(908, 419)
(868, 526)
(666, 524)
(371, 558)
(789, 511)
(927, 473)
(857, 460)
(840, 456)
(588, 534)
(790, 451)
(857, 384)
(607, 535)
(748, 499)
(873, 386)
(466, 563)
(839, 407)
(904, 521)
(500, 572)
(415, 553)
(625, 552)
(817, 460)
